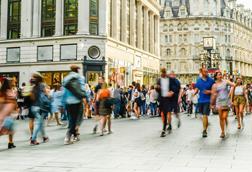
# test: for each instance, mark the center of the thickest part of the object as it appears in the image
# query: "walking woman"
(7, 106)
(137, 100)
(221, 100)
(40, 107)
(105, 108)
(56, 95)
(239, 99)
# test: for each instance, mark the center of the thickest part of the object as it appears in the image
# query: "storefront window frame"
(94, 17)
(46, 60)
(69, 58)
(68, 20)
(7, 55)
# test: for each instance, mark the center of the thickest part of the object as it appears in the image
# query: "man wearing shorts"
(203, 86)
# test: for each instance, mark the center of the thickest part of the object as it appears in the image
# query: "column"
(114, 23)
(103, 17)
(36, 18)
(139, 25)
(146, 29)
(132, 22)
(152, 39)
(26, 18)
(157, 35)
(83, 17)
(4, 19)
(59, 18)
(124, 21)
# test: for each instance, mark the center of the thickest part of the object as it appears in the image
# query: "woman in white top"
(239, 99)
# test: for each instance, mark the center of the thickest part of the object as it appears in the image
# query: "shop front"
(12, 75)
(54, 77)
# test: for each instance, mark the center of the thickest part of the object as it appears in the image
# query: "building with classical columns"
(184, 25)
(115, 38)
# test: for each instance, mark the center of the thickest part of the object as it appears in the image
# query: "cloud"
(246, 3)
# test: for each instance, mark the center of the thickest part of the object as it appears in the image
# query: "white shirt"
(189, 94)
(238, 91)
(164, 82)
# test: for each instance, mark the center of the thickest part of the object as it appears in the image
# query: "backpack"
(74, 87)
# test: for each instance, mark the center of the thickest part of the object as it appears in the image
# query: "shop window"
(13, 55)
(45, 53)
(48, 18)
(68, 52)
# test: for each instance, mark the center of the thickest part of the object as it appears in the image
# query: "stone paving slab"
(135, 146)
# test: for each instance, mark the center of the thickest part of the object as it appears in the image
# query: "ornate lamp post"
(209, 44)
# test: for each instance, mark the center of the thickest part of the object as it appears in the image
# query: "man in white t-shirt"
(189, 99)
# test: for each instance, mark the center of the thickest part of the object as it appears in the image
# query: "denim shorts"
(204, 108)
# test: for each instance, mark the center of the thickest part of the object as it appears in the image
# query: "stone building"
(184, 24)
(117, 38)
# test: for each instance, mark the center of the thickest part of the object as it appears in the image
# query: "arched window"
(171, 27)
(48, 18)
(182, 52)
(165, 28)
(70, 17)
(168, 51)
(228, 53)
(179, 27)
(166, 38)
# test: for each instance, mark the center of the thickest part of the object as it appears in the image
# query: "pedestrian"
(105, 108)
(189, 99)
(204, 85)
(250, 98)
(137, 101)
(7, 106)
(20, 103)
(240, 100)
(101, 80)
(117, 98)
(39, 108)
(220, 100)
(168, 102)
(87, 102)
(56, 102)
(73, 95)
(153, 100)
(143, 100)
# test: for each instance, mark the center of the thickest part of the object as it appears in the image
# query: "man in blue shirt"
(203, 86)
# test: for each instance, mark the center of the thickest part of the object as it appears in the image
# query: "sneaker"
(163, 134)
(45, 139)
(204, 134)
(67, 141)
(169, 127)
(34, 142)
(179, 123)
(95, 129)
(11, 145)
(76, 138)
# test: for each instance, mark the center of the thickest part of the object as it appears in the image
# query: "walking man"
(168, 91)
(203, 86)
(74, 92)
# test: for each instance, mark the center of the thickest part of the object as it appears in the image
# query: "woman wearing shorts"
(220, 98)
(239, 100)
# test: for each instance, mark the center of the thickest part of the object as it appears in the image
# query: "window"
(179, 27)
(165, 28)
(166, 38)
(180, 38)
(70, 17)
(168, 52)
(45, 53)
(170, 38)
(185, 37)
(14, 19)
(13, 55)
(68, 52)
(93, 17)
(48, 18)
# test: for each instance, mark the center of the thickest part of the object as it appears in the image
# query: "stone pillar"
(59, 18)
(146, 29)
(133, 23)
(36, 18)
(103, 17)
(152, 38)
(157, 35)
(4, 19)
(124, 21)
(26, 18)
(83, 17)
(115, 20)
(139, 25)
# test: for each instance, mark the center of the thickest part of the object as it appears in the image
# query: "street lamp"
(209, 44)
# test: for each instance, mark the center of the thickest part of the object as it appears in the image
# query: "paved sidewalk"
(135, 146)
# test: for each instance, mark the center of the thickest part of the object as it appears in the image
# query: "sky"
(247, 3)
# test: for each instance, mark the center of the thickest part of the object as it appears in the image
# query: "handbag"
(74, 87)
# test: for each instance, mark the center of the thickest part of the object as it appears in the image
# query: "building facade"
(184, 25)
(115, 38)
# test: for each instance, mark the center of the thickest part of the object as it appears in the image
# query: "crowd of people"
(70, 102)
